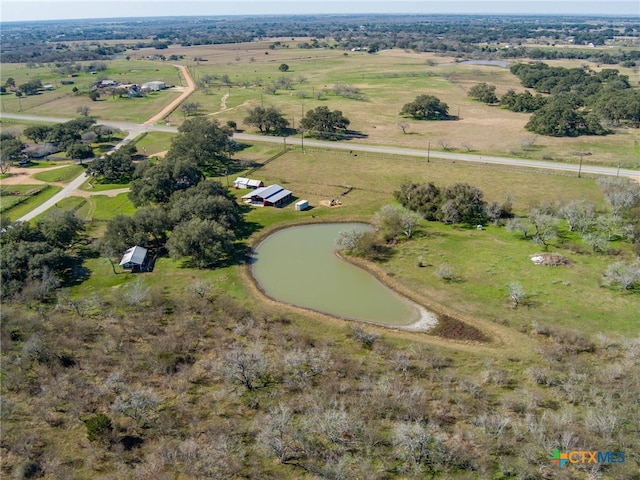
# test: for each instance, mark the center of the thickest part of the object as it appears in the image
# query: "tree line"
(464, 35)
(568, 101)
(180, 212)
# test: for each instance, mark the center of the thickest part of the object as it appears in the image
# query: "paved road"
(136, 129)
(65, 192)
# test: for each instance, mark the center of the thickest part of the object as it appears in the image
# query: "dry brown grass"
(389, 80)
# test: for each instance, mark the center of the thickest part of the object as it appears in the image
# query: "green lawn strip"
(152, 143)
(45, 193)
(63, 175)
(74, 204)
(91, 185)
(108, 207)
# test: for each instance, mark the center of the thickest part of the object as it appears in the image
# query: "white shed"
(134, 258)
(302, 205)
(153, 86)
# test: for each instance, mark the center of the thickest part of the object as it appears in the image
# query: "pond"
(298, 266)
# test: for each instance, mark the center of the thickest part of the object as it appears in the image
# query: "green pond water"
(298, 266)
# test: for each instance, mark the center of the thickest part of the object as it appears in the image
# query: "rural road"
(190, 88)
(135, 129)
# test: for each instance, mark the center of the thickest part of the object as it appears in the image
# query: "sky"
(26, 10)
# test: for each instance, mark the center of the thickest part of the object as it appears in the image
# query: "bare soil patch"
(453, 329)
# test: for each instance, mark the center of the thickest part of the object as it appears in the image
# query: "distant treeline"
(475, 36)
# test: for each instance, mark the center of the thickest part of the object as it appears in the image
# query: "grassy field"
(36, 195)
(569, 296)
(386, 80)
(153, 143)
(61, 175)
(62, 102)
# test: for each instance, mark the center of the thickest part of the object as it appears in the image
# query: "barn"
(271, 196)
(134, 259)
(242, 182)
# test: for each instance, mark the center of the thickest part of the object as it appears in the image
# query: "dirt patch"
(551, 260)
(453, 329)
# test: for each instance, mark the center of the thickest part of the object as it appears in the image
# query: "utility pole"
(581, 153)
(302, 131)
(428, 149)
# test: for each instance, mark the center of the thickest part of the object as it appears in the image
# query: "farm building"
(242, 182)
(153, 86)
(134, 259)
(302, 205)
(271, 196)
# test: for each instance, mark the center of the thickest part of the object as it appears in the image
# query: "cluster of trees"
(267, 120)
(73, 136)
(580, 100)
(459, 203)
(576, 101)
(37, 255)
(180, 211)
(426, 107)
(197, 223)
(10, 149)
(115, 167)
(325, 124)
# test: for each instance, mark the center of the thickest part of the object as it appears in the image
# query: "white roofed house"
(134, 259)
(242, 182)
(271, 196)
(153, 86)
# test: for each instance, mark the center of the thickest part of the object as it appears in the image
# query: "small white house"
(301, 205)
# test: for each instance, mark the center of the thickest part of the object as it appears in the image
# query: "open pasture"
(63, 102)
(322, 175)
(387, 80)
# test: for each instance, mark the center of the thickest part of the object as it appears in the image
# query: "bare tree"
(278, 433)
(527, 142)
(246, 366)
(404, 126)
(394, 219)
(516, 294)
(417, 448)
(625, 276)
(83, 110)
(190, 108)
(621, 193)
(445, 144)
(139, 405)
(545, 227)
(579, 215)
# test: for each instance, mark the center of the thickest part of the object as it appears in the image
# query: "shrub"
(98, 427)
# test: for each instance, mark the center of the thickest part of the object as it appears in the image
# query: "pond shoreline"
(425, 324)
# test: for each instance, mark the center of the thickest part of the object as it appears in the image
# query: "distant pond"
(493, 63)
(298, 266)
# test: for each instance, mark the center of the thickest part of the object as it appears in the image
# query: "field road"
(190, 88)
(136, 129)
